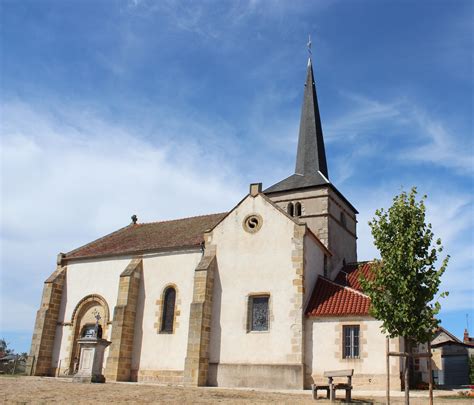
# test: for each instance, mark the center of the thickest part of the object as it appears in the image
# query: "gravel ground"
(37, 390)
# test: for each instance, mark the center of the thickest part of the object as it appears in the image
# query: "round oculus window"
(252, 223)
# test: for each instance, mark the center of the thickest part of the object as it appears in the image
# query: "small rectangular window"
(351, 341)
(258, 312)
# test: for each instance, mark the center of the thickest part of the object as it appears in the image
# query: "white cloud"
(72, 177)
(440, 145)
(436, 143)
(364, 114)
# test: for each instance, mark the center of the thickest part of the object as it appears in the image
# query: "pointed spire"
(311, 168)
(311, 156)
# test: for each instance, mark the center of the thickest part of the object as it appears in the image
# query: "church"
(264, 295)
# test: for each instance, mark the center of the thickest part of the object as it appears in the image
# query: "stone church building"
(265, 295)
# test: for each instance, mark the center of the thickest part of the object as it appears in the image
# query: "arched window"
(290, 209)
(297, 209)
(167, 318)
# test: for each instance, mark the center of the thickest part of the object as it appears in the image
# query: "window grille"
(259, 313)
(167, 320)
(351, 341)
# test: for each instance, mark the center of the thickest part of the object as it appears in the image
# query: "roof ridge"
(450, 334)
(180, 219)
(345, 286)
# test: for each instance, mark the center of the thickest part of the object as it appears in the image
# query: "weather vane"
(309, 45)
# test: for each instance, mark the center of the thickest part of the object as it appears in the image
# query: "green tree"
(4, 350)
(405, 282)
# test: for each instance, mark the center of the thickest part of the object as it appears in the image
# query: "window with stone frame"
(351, 341)
(258, 313)
(167, 318)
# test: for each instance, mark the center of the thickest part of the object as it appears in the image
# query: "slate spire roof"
(311, 166)
(311, 156)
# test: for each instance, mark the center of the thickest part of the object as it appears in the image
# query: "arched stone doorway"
(83, 318)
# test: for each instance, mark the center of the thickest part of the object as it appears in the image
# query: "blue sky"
(168, 109)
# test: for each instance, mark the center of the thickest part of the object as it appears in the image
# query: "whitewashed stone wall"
(89, 277)
(269, 261)
(156, 356)
(324, 351)
(154, 353)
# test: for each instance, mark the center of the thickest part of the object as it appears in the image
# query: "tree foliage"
(405, 281)
(4, 347)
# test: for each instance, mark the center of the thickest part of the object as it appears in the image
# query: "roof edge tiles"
(330, 298)
(142, 238)
(134, 253)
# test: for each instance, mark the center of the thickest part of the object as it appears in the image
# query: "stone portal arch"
(82, 317)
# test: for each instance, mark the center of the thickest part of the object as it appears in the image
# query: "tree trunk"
(430, 371)
(407, 371)
(388, 371)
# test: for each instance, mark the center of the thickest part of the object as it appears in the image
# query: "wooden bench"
(331, 387)
(315, 388)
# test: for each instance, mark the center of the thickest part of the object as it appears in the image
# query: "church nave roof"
(149, 237)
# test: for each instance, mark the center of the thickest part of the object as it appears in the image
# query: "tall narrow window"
(351, 341)
(325, 268)
(342, 219)
(258, 313)
(290, 209)
(297, 209)
(167, 319)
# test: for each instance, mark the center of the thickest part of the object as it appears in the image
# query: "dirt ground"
(36, 390)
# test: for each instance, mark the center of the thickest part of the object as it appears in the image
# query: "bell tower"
(309, 195)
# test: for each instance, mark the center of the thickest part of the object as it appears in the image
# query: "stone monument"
(91, 358)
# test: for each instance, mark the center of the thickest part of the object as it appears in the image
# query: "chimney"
(255, 189)
(59, 259)
(466, 336)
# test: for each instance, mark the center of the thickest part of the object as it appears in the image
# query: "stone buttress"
(199, 334)
(40, 358)
(119, 361)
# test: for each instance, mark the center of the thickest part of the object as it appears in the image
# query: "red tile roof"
(343, 296)
(332, 299)
(138, 238)
(350, 273)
